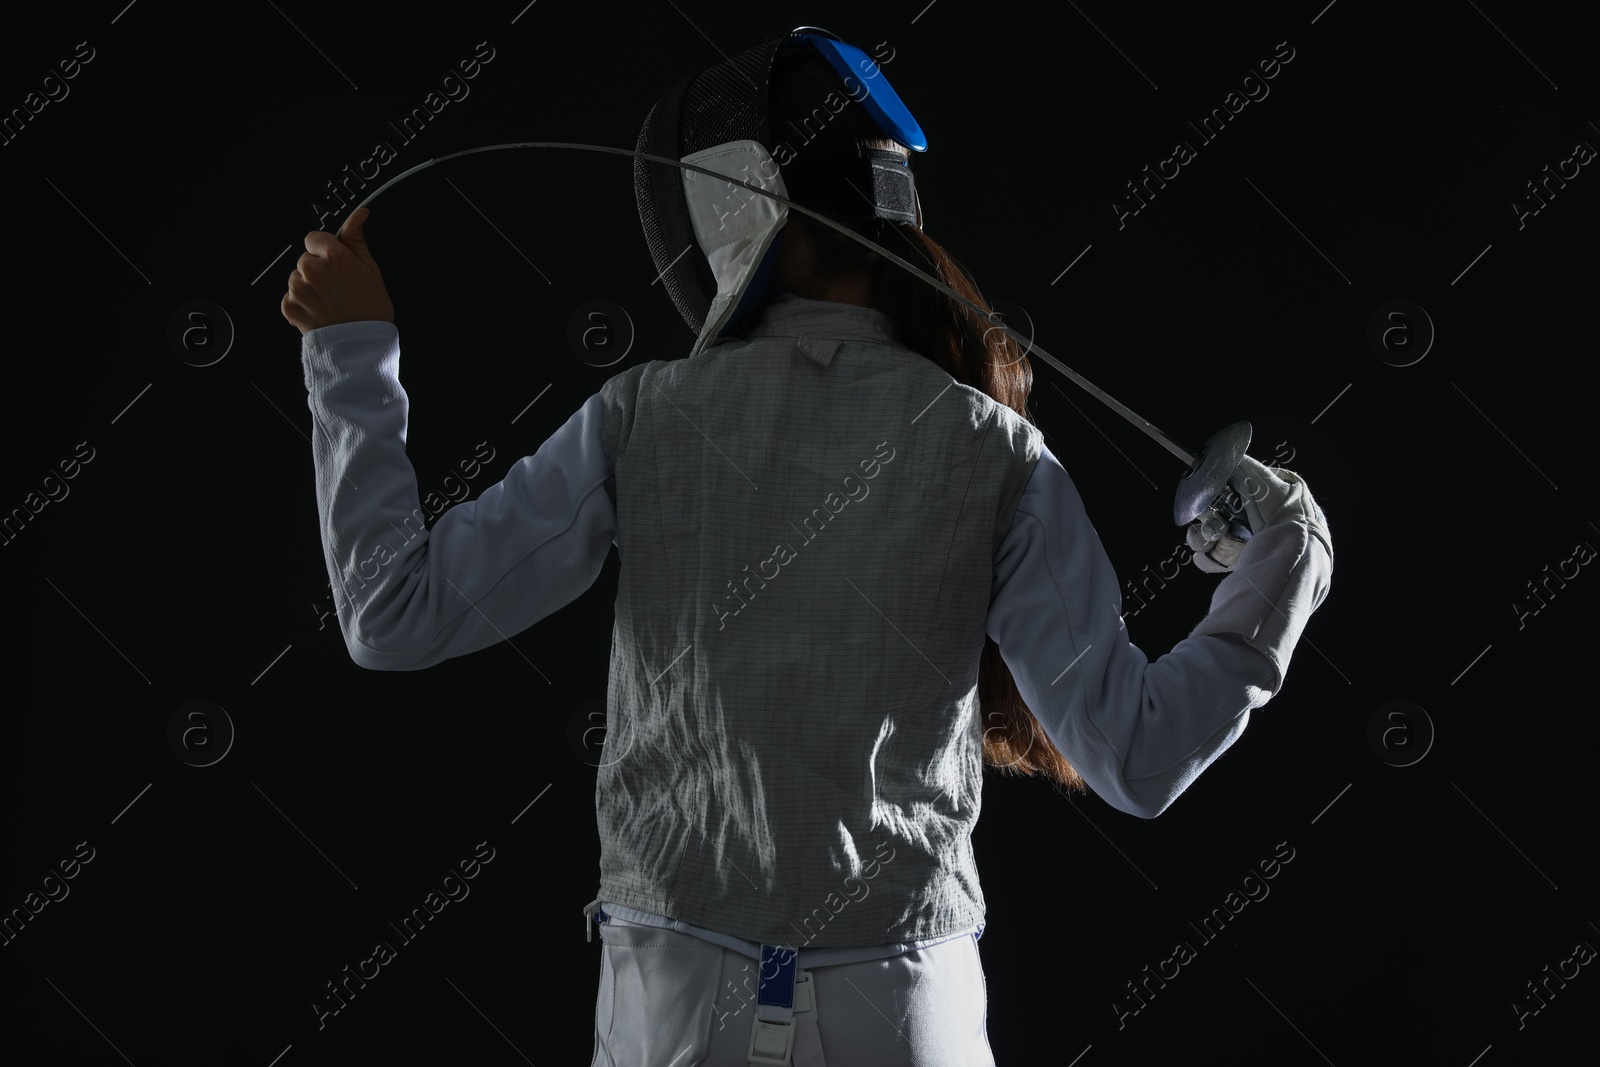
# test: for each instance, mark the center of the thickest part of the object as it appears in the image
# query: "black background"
(185, 564)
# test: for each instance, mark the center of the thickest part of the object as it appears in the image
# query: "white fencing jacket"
(816, 528)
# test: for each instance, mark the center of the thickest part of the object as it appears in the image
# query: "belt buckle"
(772, 1030)
(771, 1043)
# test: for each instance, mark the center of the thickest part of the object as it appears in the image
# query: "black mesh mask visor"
(722, 110)
(723, 103)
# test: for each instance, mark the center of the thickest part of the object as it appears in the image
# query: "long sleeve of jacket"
(409, 597)
(1138, 731)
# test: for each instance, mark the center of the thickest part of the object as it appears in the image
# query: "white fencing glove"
(1215, 549)
(1280, 575)
(1269, 495)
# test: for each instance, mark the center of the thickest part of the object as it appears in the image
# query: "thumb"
(353, 235)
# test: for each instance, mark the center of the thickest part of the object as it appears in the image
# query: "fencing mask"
(714, 242)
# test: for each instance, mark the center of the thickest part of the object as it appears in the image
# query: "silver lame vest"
(808, 517)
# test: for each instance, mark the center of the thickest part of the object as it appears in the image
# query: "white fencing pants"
(669, 999)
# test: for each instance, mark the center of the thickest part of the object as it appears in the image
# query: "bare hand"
(337, 280)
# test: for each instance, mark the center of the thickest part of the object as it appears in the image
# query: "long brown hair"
(927, 321)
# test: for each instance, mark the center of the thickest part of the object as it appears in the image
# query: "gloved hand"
(1269, 495)
(1215, 550)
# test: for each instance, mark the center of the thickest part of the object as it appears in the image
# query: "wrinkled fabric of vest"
(809, 517)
